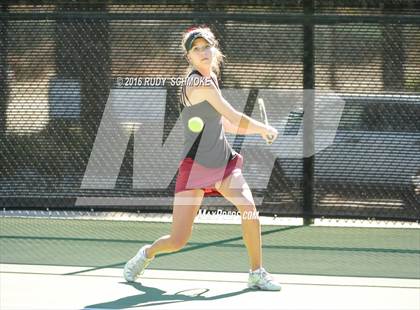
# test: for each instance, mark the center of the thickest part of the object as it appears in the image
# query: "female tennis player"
(209, 164)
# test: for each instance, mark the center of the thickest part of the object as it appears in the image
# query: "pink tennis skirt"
(192, 175)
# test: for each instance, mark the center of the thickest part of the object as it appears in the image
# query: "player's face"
(201, 53)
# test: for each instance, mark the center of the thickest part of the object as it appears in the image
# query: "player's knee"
(246, 206)
(178, 242)
(249, 212)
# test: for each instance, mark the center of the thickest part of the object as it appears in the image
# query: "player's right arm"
(210, 93)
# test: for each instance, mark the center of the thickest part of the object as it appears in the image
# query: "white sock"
(256, 270)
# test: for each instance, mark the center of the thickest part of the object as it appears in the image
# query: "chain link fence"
(61, 60)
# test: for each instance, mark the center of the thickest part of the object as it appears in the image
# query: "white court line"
(212, 276)
(208, 219)
(48, 288)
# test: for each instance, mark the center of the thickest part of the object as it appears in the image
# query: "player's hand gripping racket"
(271, 137)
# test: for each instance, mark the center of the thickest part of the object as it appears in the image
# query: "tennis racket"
(264, 117)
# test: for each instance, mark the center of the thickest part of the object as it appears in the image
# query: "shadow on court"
(151, 296)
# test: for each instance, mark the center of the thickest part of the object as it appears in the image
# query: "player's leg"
(186, 206)
(235, 189)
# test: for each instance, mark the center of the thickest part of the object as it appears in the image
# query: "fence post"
(308, 109)
(3, 70)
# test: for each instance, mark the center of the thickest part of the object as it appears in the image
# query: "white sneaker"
(135, 266)
(261, 279)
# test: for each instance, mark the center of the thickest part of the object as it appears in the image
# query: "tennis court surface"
(58, 263)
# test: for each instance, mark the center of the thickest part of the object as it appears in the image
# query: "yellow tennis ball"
(195, 124)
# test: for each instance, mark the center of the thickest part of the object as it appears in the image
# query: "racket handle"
(264, 117)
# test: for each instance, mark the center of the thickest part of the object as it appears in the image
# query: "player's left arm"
(231, 128)
(228, 126)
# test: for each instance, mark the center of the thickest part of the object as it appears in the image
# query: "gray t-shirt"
(208, 147)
